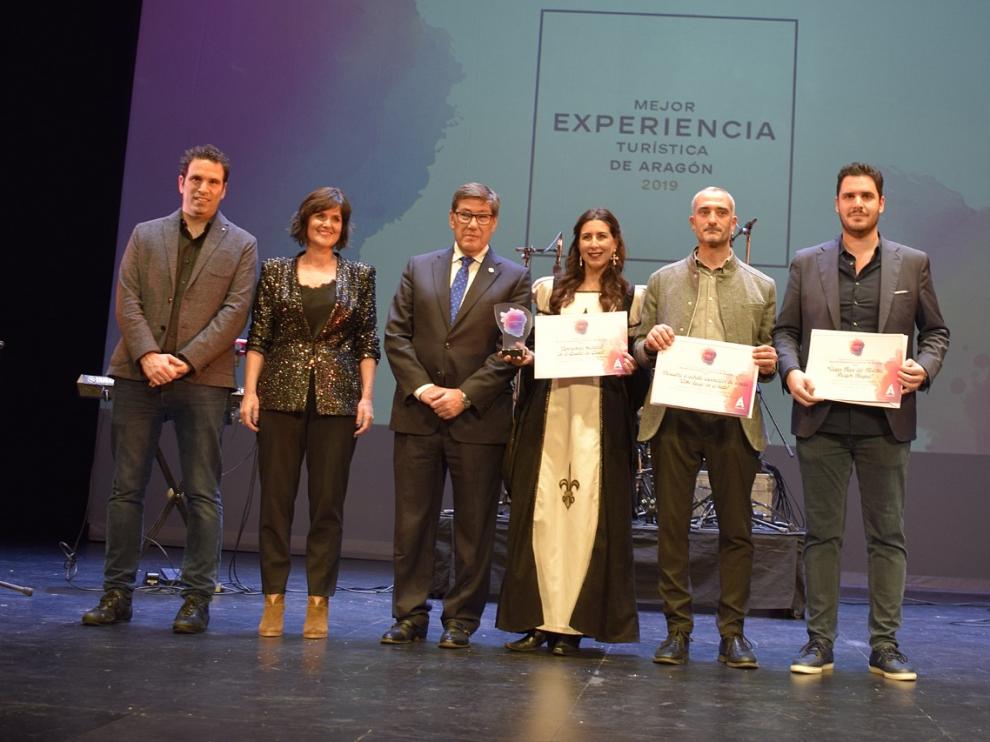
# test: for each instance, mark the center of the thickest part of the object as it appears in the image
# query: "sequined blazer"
(280, 332)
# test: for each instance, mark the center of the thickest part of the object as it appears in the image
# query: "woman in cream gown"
(569, 570)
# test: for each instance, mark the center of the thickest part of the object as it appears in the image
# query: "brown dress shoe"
(673, 650)
(454, 636)
(272, 615)
(317, 615)
(737, 651)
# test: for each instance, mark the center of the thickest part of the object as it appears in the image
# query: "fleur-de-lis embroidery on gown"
(568, 485)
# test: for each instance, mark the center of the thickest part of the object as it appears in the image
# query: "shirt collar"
(458, 254)
(728, 266)
(184, 228)
(844, 254)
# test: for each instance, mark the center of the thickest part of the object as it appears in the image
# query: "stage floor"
(138, 681)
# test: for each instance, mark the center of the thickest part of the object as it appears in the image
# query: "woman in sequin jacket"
(312, 353)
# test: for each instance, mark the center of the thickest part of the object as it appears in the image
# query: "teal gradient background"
(398, 102)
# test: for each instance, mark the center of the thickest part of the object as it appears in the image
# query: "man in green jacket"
(710, 294)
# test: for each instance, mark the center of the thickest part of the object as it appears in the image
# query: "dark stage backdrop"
(627, 104)
(69, 79)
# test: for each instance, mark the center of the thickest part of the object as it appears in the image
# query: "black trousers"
(421, 465)
(327, 442)
(685, 440)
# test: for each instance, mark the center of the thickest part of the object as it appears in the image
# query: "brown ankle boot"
(272, 615)
(317, 614)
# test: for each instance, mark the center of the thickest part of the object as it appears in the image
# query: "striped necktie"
(459, 286)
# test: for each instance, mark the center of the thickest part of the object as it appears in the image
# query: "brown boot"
(272, 615)
(317, 615)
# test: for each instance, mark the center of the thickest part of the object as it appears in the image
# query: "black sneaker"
(815, 657)
(887, 661)
(114, 607)
(737, 651)
(194, 615)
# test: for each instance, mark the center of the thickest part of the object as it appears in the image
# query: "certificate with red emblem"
(857, 367)
(572, 345)
(707, 376)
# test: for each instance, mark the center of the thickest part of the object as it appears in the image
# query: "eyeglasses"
(465, 217)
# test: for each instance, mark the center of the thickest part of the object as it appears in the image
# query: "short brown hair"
(860, 168)
(476, 190)
(319, 200)
(204, 152)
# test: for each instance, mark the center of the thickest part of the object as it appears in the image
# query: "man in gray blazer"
(452, 411)
(183, 294)
(858, 282)
(710, 294)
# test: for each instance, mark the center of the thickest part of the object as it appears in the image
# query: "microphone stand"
(555, 248)
(746, 229)
(17, 588)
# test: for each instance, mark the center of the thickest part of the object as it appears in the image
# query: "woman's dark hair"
(319, 200)
(613, 286)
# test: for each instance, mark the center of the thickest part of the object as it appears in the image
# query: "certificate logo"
(708, 356)
(581, 326)
(856, 347)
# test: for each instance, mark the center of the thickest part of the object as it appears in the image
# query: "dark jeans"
(684, 441)
(881, 470)
(139, 412)
(421, 464)
(327, 442)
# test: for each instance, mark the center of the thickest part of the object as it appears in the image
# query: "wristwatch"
(465, 401)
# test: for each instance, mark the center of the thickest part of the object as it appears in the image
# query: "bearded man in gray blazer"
(710, 294)
(452, 411)
(183, 294)
(859, 282)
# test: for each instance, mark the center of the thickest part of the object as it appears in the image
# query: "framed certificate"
(857, 367)
(706, 376)
(571, 345)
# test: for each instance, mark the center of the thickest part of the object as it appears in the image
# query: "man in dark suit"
(859, 282)
(183, 295)
(452, 411)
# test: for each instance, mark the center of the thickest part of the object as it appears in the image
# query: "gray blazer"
(215, 304)
(747, 301)
(907, 300)
(423, 348)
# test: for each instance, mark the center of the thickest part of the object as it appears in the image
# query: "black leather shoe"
(404, 632)
(815, 657)
(534, 639)
(114, 607)
(567, 645)
(194, 615)
(673, 650)
(887, 661)
(736, 651)
(454, 636)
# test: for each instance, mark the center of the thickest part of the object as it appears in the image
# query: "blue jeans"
(138, 414)
(881, 470)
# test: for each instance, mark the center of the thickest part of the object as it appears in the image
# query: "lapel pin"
(490, 269)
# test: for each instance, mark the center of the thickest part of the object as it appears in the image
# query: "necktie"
(458, 287)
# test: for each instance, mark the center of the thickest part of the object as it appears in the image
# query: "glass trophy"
(516, 323)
